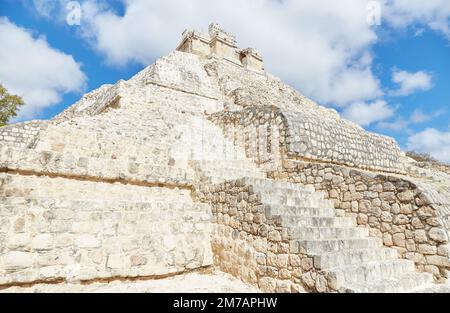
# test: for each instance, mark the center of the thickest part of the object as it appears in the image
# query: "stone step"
(63, 212)
(371, 272)
(313, 201)
(67, 164)
(233, 164)
(313, 233)
(318, 221)
(63, 188)
(353, 257)
(268, 184)
(289, 193)
(289, 212)
(334, 245)
(409, 282)
(231, 173)
(219, 180)
(175, 202)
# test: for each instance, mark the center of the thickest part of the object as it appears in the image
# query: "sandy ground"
(216, 282)
(437, 288)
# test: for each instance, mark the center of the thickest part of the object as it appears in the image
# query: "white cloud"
(365, 114)
(31, 68)
(46, 8)
(433, 13)
(433, 142)
(329, 61)
(419, 117)
(55, 10)
(411, 82)
(416, 117)
(399, 124)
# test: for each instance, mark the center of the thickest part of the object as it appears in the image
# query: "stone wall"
(393, 207)
(57, 229)
(192, 78)
(328, 140)
(21, 135)
(295, 134)
(67, 217)
(261, 131)
(254, 245)
(51, 163)
(94, 103)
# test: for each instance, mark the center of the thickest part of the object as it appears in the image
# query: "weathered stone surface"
(406, 196)
(427, 249)
(439, 261)
(438, 235)
(42, 242)
(18, 260)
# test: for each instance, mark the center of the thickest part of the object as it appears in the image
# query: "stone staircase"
(340, 249)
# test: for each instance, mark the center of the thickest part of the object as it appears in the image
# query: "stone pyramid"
(204, 159)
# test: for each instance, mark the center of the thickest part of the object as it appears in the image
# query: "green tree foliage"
(9, 105)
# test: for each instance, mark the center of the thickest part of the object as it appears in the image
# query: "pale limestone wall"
(158, 123)
(330, 140)
(261, 131)
(21, 135)
(398, 211)
(61, 229)
(86, 105)
(180, 71)
(51, 163)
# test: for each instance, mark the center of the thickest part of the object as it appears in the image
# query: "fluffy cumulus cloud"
(401, 124)
(48, 8)
(31, 68)
(411, 82)
(431, 141)
(398, 124)
(368, 113)
(329, 61)
(418, 116)
(434, 14)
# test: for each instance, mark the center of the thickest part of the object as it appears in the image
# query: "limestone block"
(438, 261)
(87, 241)
(438, 234)
(427, 249)
(16, 260)
(42, 242)
(406, 196)
(420, 236)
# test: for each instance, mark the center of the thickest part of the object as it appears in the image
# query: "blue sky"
(390, 78)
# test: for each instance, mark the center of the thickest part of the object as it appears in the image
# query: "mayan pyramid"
(203, 159)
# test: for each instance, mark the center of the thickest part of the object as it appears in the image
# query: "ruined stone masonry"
(204, 159)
